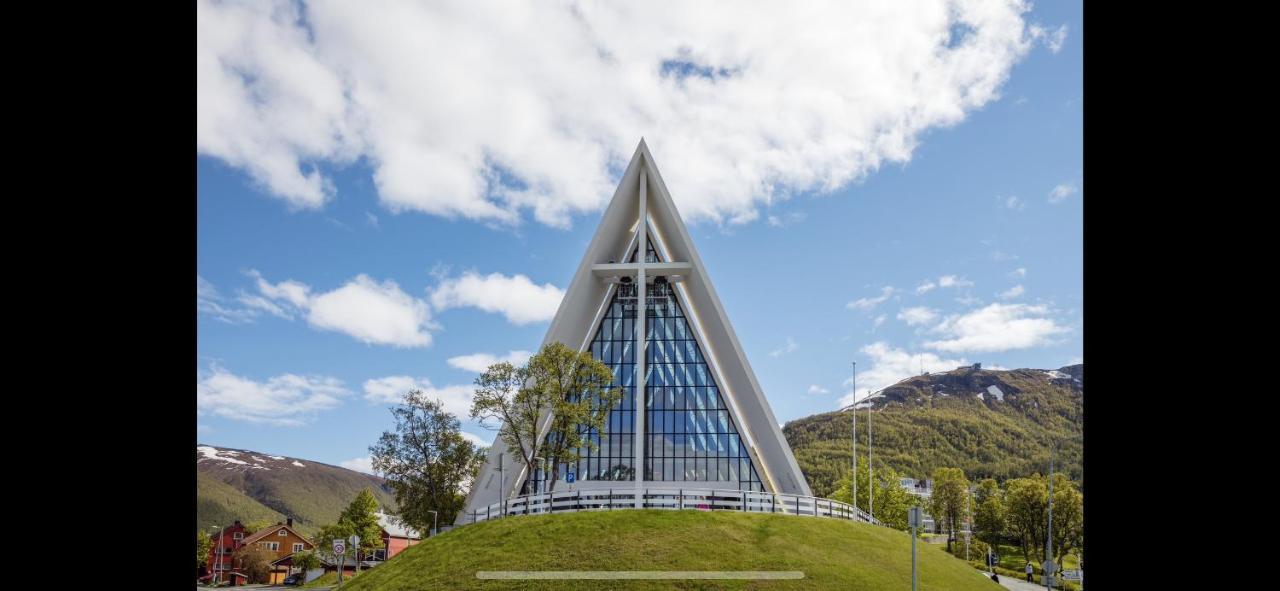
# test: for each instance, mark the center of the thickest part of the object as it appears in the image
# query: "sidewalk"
(1015, 584)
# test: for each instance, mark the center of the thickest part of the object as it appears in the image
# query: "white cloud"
(374, 313)
(1014, 203)
(456, 398)
(211, 303)
(1052, 39)
(918, 315)
(364, 465)
(487, 111)
(878, 321)
(890, 365)
(953, 281)
(1061, 192)
(1020, 272)
(371, 312)
(287, 400)
(1076, 360)
(998, 327)
(816, 389)
(479, 362)
(786, 220)
(519, 299)
(925, 287)
(1012, 292)
(869, 303)
(790, 347)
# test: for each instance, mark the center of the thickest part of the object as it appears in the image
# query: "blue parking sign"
(569, 477)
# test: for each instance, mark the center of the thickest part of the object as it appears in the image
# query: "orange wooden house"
(282, 540)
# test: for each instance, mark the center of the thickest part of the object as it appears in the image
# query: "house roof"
(396, 528)
(266, 531)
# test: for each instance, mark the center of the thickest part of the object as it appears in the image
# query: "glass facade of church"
(690, 435)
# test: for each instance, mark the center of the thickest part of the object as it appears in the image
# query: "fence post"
(486, 513)
(680, 498)
(611, 499)
(744, 501)
(773, 505)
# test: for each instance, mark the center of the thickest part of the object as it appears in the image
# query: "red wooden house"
(220, 554)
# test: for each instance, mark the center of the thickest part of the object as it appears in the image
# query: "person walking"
(1029, 579)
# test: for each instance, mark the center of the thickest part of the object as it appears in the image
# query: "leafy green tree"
(950, 489)
(204, 543)
(306, 561)
(1068, 517)
(361, 517)
(579, 385)
(426, 461)
(255, 562)
(988, 509)
(1026, 514)
(502, 402)
(327, 534)
(891, 500)
(573, 386)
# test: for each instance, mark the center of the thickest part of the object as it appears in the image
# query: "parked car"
(293, 580)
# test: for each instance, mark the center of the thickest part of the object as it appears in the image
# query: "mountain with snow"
(238, 484)
(989, 423)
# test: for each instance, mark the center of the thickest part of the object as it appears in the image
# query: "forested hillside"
(990, 423)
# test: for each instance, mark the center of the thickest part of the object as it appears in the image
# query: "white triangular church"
(706, 422)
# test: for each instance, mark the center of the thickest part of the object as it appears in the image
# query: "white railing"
(669, 498)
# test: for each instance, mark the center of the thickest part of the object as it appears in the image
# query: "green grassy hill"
(247, 485)
(832, 554)
(954, 419)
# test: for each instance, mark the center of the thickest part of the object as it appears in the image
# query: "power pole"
(871, 483)
(1048, 543)
(855, 438)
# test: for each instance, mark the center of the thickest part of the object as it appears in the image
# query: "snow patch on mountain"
(211, 453)
(995, 391)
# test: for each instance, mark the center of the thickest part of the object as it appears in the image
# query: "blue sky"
(335, 267)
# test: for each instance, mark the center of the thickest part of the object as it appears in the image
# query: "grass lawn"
(329, 580)
(832, 554)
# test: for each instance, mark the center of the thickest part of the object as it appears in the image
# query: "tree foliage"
(361, 517)
(948, 502)
(1026, 516)
(891, 501)
(306, 561)
(426, 461)
(204, 543)
(572, 385)
(1068, 517)
(988, 511)
(255, 562)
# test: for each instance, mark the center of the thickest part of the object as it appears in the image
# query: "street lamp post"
(433, 523)
(854, 478)
(871, 485)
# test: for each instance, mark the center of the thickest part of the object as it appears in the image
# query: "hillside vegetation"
(247, 485)
(954, 419)
(832, 554)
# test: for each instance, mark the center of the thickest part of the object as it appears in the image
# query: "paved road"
(1016, 584)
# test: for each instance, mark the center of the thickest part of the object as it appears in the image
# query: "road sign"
(1073, 574)
(570, 477)
(355, 540)
(1049, 567)
(914, 517)
(339, 547)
